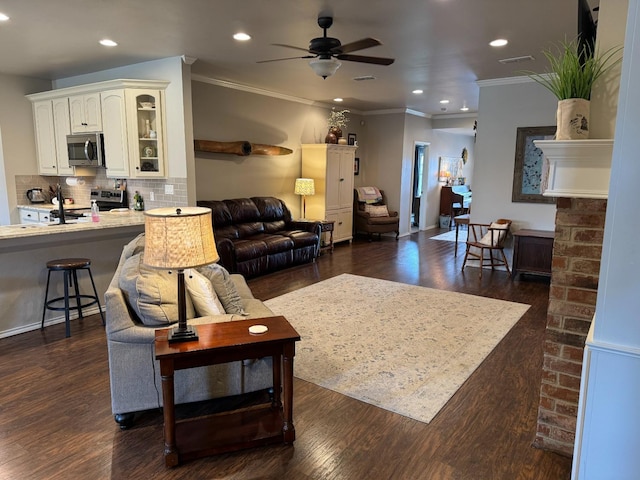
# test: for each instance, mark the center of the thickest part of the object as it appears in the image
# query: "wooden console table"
(243, 428)
(532, 252)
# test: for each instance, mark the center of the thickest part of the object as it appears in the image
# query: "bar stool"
(70, 267)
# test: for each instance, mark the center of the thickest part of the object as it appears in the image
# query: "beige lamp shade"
(305, 186)
(179, 238)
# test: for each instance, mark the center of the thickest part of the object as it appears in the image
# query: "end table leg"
(277, 381)
(288, 430)
(171, 458)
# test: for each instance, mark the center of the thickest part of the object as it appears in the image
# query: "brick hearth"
(572, 298)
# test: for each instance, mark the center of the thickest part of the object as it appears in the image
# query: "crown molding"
(391, 111)
(248, 89)
(454, 115)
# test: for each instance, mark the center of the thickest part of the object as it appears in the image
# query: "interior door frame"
(425, 183)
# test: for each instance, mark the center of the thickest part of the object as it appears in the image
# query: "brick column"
(572, 298)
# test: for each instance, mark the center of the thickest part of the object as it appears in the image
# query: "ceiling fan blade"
(363, 59)
(358, 45)
(287, 58)
(290, 46)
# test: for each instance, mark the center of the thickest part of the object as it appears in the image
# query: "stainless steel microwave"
(86, 150)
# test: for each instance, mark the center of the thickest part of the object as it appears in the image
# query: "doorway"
(416, 189)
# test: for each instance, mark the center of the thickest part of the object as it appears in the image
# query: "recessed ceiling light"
(444, 102)
(108, 43)
(241, 36)
(3, 17)
(499, 42)
(465, 109)
(418, 91)
(338, 99)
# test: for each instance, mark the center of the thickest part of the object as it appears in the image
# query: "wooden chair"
(490, 237)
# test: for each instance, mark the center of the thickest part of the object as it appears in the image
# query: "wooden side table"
(243, 428)
(532, 252)
(327, 226)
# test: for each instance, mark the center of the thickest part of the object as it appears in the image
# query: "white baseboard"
(51, 321)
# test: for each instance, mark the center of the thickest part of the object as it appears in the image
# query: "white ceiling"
(440, 46)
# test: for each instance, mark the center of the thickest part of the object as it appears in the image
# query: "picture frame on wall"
(529, 172)
(356, 166)
(351, 139)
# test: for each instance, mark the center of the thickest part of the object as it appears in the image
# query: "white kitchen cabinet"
(331, 167)
(51, 120)
(129, 112)
(145, 125)
(114, 127)
(33, 215)
(62, 128)
(86, 113)
(45, 138)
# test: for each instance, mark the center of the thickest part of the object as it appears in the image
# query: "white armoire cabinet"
(331, 167)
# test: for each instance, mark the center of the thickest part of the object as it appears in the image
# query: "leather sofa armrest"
(226, 250)
(313, 227)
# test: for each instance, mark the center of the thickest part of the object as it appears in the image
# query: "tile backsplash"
(81, 192)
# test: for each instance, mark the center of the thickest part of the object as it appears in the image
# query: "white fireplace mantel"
(577, 168)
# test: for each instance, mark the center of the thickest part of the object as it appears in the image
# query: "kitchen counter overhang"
(25, 249)
(22, 235)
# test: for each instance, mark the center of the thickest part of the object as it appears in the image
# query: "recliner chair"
(374, 217)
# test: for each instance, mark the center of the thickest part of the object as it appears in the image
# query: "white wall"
(18, 146)
(391, 140)
(384, 162)
(230, 114)
(503, 107)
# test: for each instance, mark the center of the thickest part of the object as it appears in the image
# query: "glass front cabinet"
(145, 128)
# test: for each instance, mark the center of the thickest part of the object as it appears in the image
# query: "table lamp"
(175, 239)
(304, 187)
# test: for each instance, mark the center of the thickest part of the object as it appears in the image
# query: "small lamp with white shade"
(304, 187)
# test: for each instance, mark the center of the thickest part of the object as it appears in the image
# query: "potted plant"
(571, 76)
(337, 121)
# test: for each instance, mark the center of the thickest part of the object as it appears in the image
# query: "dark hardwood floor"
(56, 423)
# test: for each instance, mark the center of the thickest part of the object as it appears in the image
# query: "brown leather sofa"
(257, 235)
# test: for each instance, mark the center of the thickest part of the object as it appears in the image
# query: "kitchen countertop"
(108, 220)
(47, 207)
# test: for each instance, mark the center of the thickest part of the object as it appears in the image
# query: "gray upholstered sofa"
(134, 372)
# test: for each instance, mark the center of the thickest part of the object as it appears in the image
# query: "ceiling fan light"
(324, 67)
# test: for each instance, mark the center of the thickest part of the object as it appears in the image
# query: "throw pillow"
(202, 294)
(151, 293)
(496, 233)
(224, 287)
(134, 246)
(377, 210)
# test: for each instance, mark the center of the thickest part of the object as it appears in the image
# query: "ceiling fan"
(326, 51)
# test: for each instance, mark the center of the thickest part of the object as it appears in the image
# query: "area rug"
(450, 236)
(400, 347)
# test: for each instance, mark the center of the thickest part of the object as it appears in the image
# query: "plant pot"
(572, 119)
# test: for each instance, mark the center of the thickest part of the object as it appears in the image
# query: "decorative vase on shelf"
(342, 141)
(331, 138)
(334, 135)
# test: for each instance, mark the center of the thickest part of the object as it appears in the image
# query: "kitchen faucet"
(60, 198)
